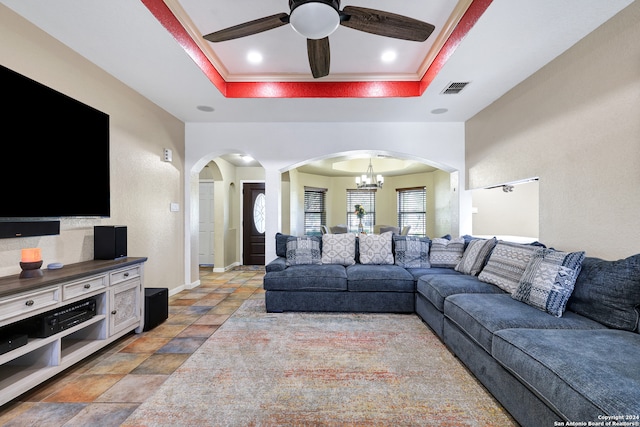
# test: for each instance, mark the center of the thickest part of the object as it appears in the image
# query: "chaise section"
(431, 291)
(581, 374)
(480, 316)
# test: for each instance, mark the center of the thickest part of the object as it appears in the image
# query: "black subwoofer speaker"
(156, 307)
(109, 241)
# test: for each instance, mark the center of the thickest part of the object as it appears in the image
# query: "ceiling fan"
(317, 19)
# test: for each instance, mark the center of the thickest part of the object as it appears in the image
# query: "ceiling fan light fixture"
(314, 20)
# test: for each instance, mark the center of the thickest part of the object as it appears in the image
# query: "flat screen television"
(56, 153)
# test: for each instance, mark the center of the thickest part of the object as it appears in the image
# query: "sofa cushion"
(475, 255)
(435, 288)
(412, 251)
(548, 280)
(303, 250)
(506, 264)
(582, 374)
(482, 315)
(309, 277)
(339, 249)
(386, 278)
(376, 248)
(609, 292)
(446, 253)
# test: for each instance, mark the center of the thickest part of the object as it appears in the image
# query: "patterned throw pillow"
(412, 251)
(506, 265)
(446, 253)
(376, 248)
(303, 250)
(475, 256)
(339, 249)
(548, 280)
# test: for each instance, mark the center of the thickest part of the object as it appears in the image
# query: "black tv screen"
(56, 153)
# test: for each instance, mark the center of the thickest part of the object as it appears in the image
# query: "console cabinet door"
(124, 303)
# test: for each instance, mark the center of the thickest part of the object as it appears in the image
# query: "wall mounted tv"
(56, 153)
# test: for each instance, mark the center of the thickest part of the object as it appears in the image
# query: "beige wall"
(386, 198)
(575, 124)
(142, 185)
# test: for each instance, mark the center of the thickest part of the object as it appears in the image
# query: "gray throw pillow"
(506, 265)
(412, 251)
(548, 280)
(445, 253)
(303, 250)
(475, 256)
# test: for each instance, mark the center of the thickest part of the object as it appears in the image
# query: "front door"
(253, 221)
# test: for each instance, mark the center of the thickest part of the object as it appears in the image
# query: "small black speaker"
(109, 241)
(156, 307)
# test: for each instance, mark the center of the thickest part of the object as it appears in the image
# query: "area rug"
(320, 369)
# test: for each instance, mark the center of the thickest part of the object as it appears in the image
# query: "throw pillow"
(475, 256)
(506, 265)
(446, 253)
(609, 292)
(281, 244)
(339, 249)
(412, 251)
(303, 250)
(549, 279)
(376, 248)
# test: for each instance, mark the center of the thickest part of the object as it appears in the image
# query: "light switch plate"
(175, 207)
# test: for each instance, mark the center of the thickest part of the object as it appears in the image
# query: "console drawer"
(15, 307)
(124, 275)
(83, 287)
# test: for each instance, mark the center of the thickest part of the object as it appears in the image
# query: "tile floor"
(104, 389)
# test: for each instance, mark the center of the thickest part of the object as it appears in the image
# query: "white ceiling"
(510, 41)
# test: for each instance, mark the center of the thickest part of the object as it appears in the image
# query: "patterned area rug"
(320, 369)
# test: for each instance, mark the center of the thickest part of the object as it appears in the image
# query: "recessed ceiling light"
(389, 56)
(254, 57)
(439, 111)
(205, 108)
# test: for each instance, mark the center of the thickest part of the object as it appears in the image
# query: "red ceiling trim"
(316, 89)
(474, 12)
(163, 14)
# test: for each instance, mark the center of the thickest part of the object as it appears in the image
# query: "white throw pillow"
(376, 248)
(339, 249)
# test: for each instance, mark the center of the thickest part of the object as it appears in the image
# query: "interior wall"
(439, 144)
(142, 185)
(499, 213)
(574, 124)
(386, 197)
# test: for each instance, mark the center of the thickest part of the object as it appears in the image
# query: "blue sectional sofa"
(554, 336)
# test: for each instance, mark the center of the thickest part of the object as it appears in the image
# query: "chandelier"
(369, 181)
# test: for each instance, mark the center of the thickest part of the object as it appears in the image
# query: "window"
(315, 214)
(366, 198)
(412, 209)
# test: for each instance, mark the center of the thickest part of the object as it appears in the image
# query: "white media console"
(114, 290)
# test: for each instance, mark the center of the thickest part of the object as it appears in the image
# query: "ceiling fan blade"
(249, 28)
(319, 57)
(385, 24)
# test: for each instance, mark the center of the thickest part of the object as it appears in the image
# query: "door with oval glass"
(253, 220)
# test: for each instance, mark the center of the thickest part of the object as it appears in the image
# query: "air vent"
(454, 88)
